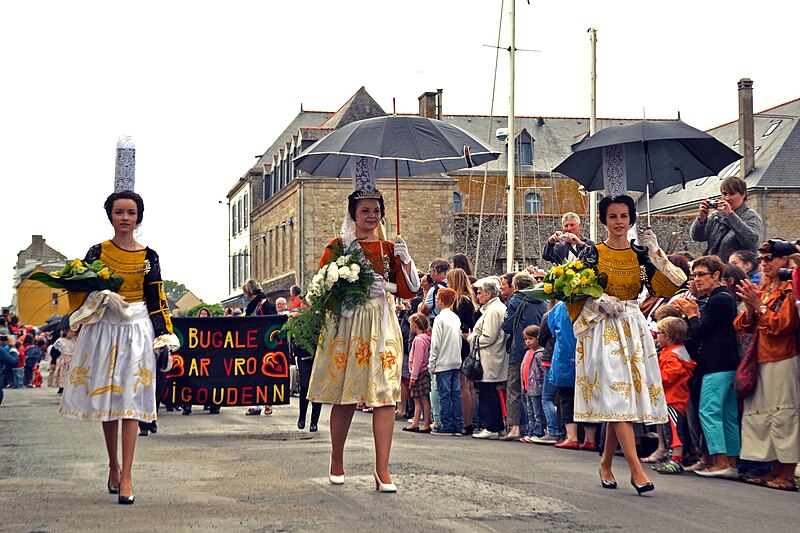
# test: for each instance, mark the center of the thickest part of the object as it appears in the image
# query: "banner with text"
(229, 361)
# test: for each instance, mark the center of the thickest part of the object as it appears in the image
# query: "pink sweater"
(418, 359)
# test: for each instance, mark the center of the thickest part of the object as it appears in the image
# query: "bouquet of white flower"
(338, 287)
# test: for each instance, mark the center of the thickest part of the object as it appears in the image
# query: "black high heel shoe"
(641, 489)
(112, 490)
(312, 428)
(606, 484)
(126, 500)
(301, 424)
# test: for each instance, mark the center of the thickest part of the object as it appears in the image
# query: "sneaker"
(669, 467)
(486, 434)
(725, 473)
(441, 433)
(547, 439)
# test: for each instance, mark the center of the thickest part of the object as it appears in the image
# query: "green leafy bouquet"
(338, 287)
(569, 282)
(78, 276)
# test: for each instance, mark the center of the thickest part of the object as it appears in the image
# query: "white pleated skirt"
(112, 373)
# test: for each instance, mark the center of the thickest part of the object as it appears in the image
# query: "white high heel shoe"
(383, 487)
(334, 480)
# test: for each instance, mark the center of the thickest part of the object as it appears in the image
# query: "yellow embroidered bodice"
(623, 270)
(130, 266)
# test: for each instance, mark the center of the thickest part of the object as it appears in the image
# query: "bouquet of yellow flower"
(337, 288)
(78, 276)
(569, 282)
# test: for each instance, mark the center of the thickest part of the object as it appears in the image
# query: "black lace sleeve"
(588, 255)
(154, 295)
(93, 254)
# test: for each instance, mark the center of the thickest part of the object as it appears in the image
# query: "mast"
(593, 130)
(511, 146)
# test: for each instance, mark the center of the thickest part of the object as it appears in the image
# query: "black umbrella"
(399, 146)
(658, 154)
(52, 323)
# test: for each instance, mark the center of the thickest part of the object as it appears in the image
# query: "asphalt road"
(231, 472)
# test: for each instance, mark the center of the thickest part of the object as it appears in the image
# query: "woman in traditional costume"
(617, 376)
(359, 355)
(113, 372)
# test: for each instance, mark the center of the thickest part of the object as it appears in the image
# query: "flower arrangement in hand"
(337, 288)
(569, 282)
(79, 276)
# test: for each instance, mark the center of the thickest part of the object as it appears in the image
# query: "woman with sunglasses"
(717, 361)
(771, 417)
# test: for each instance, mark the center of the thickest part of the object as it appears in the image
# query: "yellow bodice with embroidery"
(623, 270)
(130, 266)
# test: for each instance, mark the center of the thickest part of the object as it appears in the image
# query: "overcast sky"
(203, 87)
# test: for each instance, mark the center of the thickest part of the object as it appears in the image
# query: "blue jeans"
(448, 384)
(19, 377)
(537, 420)
(548, 404)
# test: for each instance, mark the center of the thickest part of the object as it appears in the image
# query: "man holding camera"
(7, 357)
(565, 245)
(727, 224)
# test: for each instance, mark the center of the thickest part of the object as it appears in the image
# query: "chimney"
(746, 126)
(427, 105)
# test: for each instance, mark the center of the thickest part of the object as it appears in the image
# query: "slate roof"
(359, 107)
(303, 119)
(777, 160)
(552, 136)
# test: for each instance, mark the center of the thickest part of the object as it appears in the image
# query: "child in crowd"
(445, 363)
(532, 372)
(420, 381)
(676, 369)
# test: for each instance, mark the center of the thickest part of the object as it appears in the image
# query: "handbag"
(471, 366)
(746, 379)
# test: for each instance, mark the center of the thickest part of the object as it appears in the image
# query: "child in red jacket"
(676, 369)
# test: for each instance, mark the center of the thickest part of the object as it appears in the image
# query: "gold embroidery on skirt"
(622, 387)
(587, 386)
(80, 375)
(610, 334)
(654, 390)
(145, 378)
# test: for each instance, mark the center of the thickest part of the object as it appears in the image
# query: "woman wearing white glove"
(358, 357)
(113, 372)
(617, 375)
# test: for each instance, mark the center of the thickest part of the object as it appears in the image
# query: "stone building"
(770, 144)
(294, 215)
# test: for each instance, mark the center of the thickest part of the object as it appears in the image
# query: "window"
(233, 219)
(533, 204)
(525, 152)
(235, 271)
(457, 206)
(701, 181)
(676, 188)
(732, 171)
(246, 214)
(246, 274)
(239, 209)
(773, 125)
(54, 297)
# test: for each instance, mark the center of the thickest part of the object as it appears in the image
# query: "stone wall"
(532, 232)
(316, 207)
(781, 219)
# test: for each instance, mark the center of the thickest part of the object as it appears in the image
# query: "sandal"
(780, 483)
(267, 410)
(253, 411)
(655, 457)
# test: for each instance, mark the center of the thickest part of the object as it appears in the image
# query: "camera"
(712, 204)
(781, 248)
(3, 338)
(563, 237)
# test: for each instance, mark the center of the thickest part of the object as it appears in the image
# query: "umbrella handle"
(397, 194)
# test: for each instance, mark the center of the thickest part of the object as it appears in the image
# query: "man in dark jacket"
(521, 312)
(565, 245)
(33, 354)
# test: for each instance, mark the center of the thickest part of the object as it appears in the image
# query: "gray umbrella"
(658, 154)
(398, 146)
